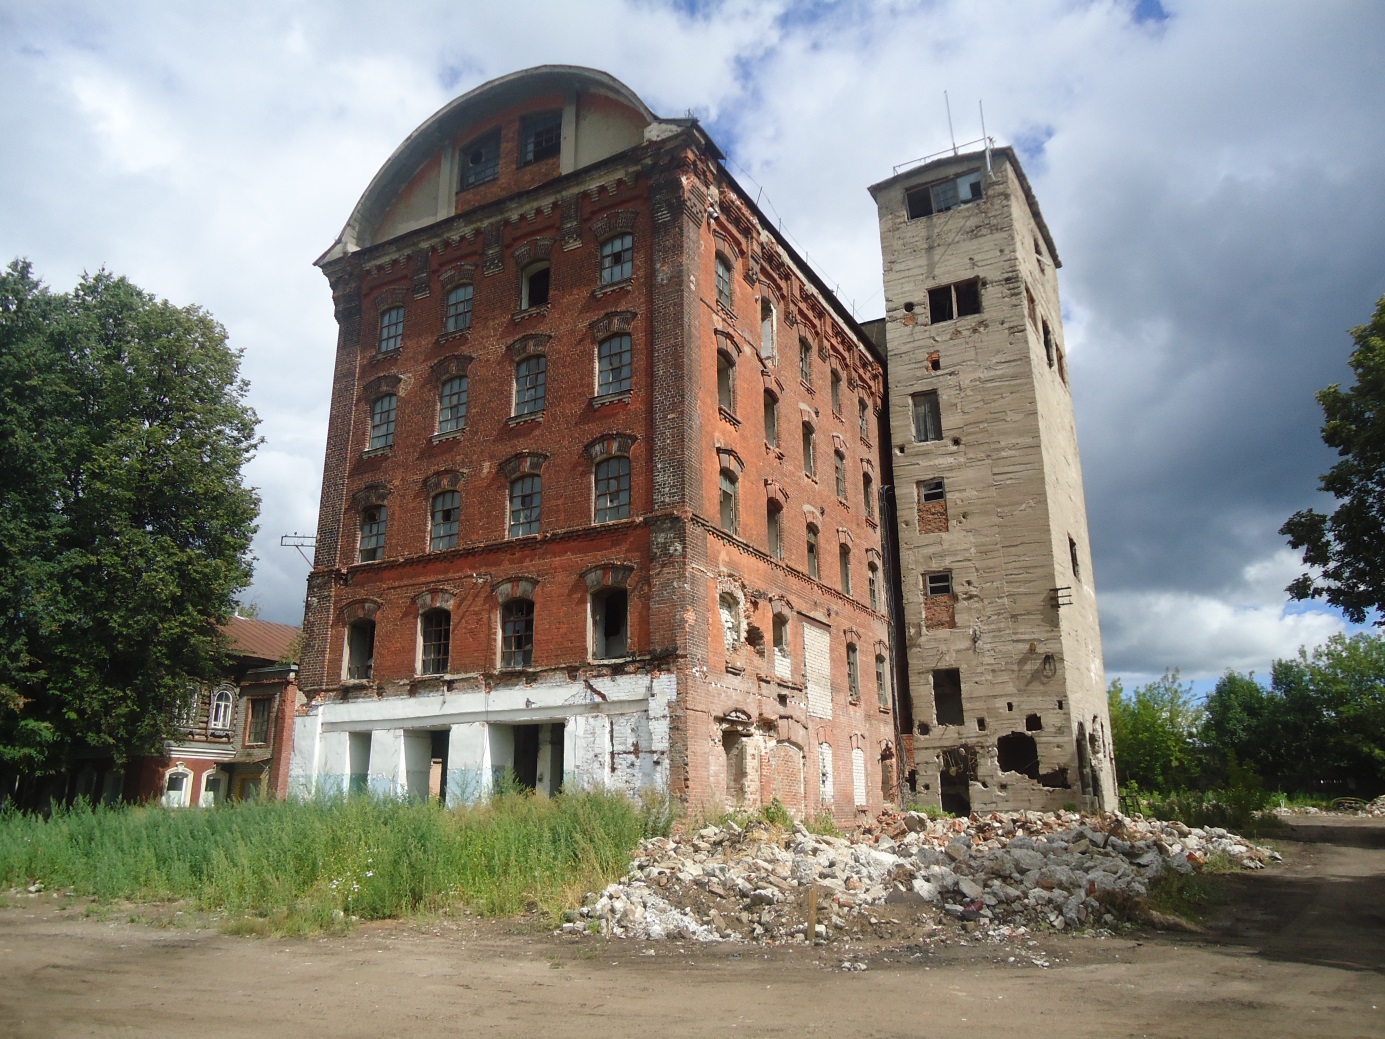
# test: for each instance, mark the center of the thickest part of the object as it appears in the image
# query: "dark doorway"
(954, 781)
(526, 764)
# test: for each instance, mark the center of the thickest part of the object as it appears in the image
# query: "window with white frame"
(614, 366)
(223, 704)
(531, 385)
(372, 540)
(382, 416)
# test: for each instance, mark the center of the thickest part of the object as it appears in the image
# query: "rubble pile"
(761, 883)
(1377, 807)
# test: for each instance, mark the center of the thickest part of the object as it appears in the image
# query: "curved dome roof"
(434, 134)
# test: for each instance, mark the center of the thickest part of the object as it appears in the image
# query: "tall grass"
(305, 865)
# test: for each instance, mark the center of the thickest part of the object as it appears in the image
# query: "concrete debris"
(997, 875)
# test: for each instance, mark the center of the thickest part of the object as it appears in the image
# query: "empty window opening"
(391, 329)
(1017, 752)
(1033, 723)
(612, 477)
(947, 302)
(1062, 366)
(980, 724)
(844, 562)
(935, 362)
(614, 367)
(923, 728)
(436, 627)
(372, 542)
(812, 548)
(540, 136)
(617, 259)
(457, 316)
(610, 623)
(928, 424)
(836, 384)
(958, 769)
(782, 662)
(481, 160)
(853, 673)
(868, 495)
(939, 583)
(382, 416)
(1009, 707)
(438, 740)
(726, 382)
(1072, 555)
(805, 361)
(1030, 309)
(358, 762)
(517, 633)
(526, 502)
(447, 508)
(452, 403)
(774, 529)
(771, 420)
(730, 507)
(723, 268)
(947, 697)
(839, 468)
(536, 760)
(810, 465)
(944, 195)
(531, 385)
(767, 331)
(534, 286)
(360, 650)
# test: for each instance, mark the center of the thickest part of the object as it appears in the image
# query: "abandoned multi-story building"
(603, 501)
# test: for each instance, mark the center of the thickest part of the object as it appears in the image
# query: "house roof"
(260, 640)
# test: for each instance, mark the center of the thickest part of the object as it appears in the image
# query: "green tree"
(1346, 550)
(124, 527)
(1152, 733)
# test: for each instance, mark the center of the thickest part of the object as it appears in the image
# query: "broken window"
(452, 402)
(372, 543)
(767, 331)
(805, 361)
(771, 420)
(782, 664)
(863, 417)
(534, 283)
(610, 620)
(436, 629)
(882, 686)
(836, 384)
(481, 160)
(810, 466)
(939, 583)
(531, 385)
(540, 136)
(839, 467)
(729, 505)
(943, 195)
(932, 490)
(257, 729)
(730, 608)
(947, 697)
(517, 633)
(457, 316)
(360, 650)
(391, 329)
(868, 495)
(853, 672)
(1017, 752)
(723, 266)
(526, 501)
(447, 507)
(382, 414)
(612, 476)
(774, 529)
(726, 382)
(617, 259)
(844, 561)
(873, 585)
(812, 551)
(948, 302)
(928, 423)
(613, 365)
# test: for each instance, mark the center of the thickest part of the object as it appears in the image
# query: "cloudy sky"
(1211, 173)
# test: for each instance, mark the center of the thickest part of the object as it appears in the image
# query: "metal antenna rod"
(951, 135)
(985, 138)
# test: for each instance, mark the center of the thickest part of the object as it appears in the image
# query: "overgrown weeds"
(306, 866)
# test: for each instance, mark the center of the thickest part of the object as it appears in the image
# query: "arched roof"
(468, 109)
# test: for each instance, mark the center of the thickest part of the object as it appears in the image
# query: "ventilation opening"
(947, 697)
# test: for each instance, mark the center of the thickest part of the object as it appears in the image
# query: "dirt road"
(1296, 951)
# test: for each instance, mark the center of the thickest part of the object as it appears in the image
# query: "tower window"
(481, 160)
(943, 195)
(391, 329)
(613, 365)
(446, 510)
(612, 489)
(540, 136)
(382, 413)
(947, 302)
(531, 385)
(534, 285)
(928, 424)
(723, 280)
(526, 501)
(457, 316)
(617, 259)
(372, 542)
(452, 396)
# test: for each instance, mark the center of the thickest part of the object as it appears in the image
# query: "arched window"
(452, 399)
(517, 633)
(391, 329)
(767, 331)
(617, 259)
(457, 316)
(219, 717)
(382, 413)
(774, 528)
(771, 420)
(729, 503)
(839, 467)
(360, 650)
(177, 788)
(447, 507)
(723, 280)
(612, 489)
(531, 385)
(810, 466)
(812, 551)
(435, 637)
(868, 494)
(613, 365)
(844, 561)
(372, 541)
(526, 499)
(534, 282)
(726, 382)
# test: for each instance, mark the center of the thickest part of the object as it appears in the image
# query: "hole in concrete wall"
(947, 696)
(1009, 707)
(437, 764)
(1033, 722)
(956, 441)
(1057, 779)
(924, 728)
(909, 307)
(1017, 752)
(980, 724)
(1060, 705)
(911, 780)
(935, 362)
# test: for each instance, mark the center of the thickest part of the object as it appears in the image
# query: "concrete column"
(468, 777)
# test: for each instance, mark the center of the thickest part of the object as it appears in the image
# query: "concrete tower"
(1005, 702)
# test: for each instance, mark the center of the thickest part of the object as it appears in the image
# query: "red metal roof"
(262, 640)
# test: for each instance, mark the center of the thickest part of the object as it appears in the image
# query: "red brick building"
(601, 496)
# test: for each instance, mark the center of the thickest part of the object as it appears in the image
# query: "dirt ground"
(1298, 950)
